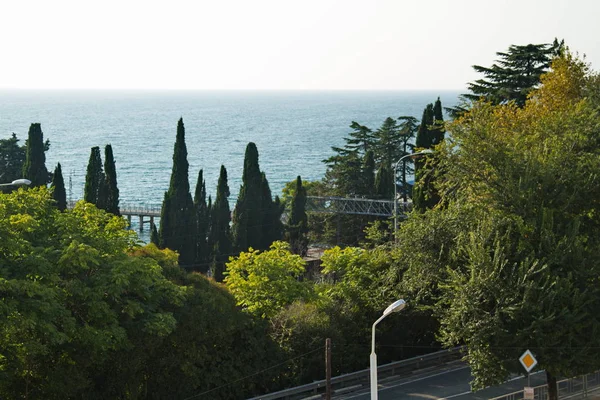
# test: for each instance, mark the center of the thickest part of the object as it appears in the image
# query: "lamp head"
(396, 306)
(21, 182)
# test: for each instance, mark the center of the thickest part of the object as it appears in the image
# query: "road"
(452, 382)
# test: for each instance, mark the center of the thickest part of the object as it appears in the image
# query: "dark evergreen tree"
(384, 183)
(12, 158)
(431, 132)
(273, 228)
(388, 147)
(94, 178)
(220, 237)
(408, 127)
(512, 77)
(297, 228)
(111, 201)
(34, 168)
(180, 232)
(202, 225)
(368, 173)
(248, 216)
(58, 185)
(154, 235)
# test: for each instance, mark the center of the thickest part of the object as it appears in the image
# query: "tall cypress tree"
(202, 224)
(94, 178)
(111, 201)
(273, 228)
(297, 228)
(220, 238)
(59, 193)
(249, 212)
(178, 208)
(34, 168)
(368, 173)
(384, 183)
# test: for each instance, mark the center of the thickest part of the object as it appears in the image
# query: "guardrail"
(578, 387)
(360, 379)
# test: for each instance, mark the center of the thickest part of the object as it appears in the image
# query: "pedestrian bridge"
(331, 205)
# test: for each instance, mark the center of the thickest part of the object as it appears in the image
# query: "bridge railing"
(346, 205)
(574, 388)
(360, 379)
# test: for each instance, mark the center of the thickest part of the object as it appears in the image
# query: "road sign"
(528, 361)
(528, 393)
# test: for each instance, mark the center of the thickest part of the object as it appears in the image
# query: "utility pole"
(328, 369)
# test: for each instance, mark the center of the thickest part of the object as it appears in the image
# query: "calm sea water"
(294, 131)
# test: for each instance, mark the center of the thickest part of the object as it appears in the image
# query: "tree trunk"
(552, 388)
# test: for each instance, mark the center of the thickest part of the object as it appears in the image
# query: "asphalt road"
(452, 382)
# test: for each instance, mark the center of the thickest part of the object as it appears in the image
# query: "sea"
(294, 131)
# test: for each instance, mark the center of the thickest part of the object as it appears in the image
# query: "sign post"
(528, 362)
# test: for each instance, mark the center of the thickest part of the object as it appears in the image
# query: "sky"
(276, 44)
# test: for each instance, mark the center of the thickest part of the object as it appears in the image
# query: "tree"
(519, 255)
(112, 191)
(58, 185)
(220, 240)
(273, 228)
(12, 158)
(34, 168)
(178, 216)
(249, 227)
(514, 75)
(73, 297)
(297, 228)
(203, 223)
(264, 282)
(430, 134)
(94, 178)
(408, 127)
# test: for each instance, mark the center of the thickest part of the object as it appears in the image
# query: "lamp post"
(418, 153)
(394, 307)
(17, 182)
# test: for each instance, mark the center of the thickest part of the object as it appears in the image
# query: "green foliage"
(256, 217)
(112, 191)
(72, 296)
(178, 216)
(264, 282)
(58, 185)
(297, 228)
(203, 255)
(34, 167)
(511, 262)
(220, 240)
(12, 158)
(94, 178)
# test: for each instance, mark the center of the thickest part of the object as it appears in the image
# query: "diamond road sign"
(528, 361)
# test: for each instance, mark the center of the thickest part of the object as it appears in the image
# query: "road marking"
(454, 395)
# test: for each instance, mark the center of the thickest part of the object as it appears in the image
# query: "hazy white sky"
(276, 44)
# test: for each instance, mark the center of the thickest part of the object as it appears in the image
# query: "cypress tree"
(297, 229)
(34, 168)
(154, 236)
(248, 214)
(202, 224)
(273, 228)
(59, 193)
(368, 172)
(178, 208)
(220, 231)
(438, 129)
(384, 183)
(94, 178)
(111, 201)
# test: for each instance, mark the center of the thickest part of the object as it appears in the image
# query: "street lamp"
(394, 307)
(17, 182)
(418, 153)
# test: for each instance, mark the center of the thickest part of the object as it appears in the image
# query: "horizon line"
(225, 90)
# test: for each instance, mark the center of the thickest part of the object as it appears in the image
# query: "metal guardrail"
(573, 388)
(357, 380)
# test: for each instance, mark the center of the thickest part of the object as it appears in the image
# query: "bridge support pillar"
(141, 217)
(151, 222)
